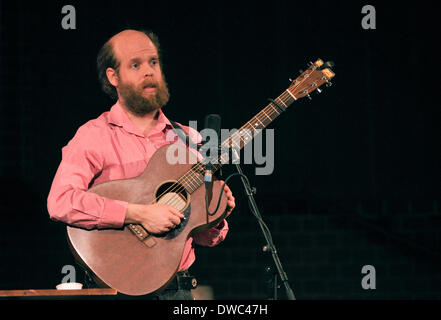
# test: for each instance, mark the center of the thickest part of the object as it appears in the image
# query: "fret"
(280, 100)
(236, 139)
(245, 135)
(289, 97)
(290, 93)
(247, 131)
(276, 110)
(234, 145)
(188, 185)
(194, 178)
(263, 111)
(198, 181)
(273, 112)
(257, 124)
(222, 158)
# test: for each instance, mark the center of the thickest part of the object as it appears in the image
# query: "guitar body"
(117, 257)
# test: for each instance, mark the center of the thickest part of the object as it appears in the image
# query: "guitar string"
(271, 110)
(187, 178)
(284, 97)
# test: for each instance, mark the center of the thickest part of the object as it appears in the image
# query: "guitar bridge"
(142, 235)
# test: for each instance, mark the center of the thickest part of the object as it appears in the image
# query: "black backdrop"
(372, 137)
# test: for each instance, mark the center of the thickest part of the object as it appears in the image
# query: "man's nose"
(148, 70)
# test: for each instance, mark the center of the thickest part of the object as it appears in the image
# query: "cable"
(258, 217)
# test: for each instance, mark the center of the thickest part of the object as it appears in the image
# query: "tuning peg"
(327, 64)
(300, 71)
(290, 80)
(309, 97)
(319, 90)
(328, 84)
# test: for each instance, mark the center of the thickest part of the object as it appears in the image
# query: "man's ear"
(112, 76)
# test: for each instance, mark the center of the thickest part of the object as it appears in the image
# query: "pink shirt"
(108, 148)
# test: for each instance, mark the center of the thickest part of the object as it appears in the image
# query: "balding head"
(122, 44)
(131, 42)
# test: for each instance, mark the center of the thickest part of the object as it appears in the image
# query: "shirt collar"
(119, 117)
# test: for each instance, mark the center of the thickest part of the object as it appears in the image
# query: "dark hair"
(106, 59)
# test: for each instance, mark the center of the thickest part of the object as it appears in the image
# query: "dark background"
(357, 169)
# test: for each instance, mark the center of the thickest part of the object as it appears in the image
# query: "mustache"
(149, 83)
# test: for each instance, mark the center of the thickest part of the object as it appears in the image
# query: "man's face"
(140, 83)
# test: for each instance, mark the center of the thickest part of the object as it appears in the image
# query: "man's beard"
(140, 105)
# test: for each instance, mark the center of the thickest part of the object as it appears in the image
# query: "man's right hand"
(155, 218)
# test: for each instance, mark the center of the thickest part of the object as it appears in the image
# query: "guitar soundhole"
(174, 195)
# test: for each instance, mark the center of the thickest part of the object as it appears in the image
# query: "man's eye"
(154, 62)
(135, 66)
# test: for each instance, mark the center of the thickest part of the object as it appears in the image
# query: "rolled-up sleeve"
(68, 200)
(213, 236)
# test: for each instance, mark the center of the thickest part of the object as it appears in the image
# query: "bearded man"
(118, 145)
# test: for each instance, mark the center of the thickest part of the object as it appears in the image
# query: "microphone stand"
(270, 247)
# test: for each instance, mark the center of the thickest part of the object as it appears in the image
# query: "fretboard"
(194, 178)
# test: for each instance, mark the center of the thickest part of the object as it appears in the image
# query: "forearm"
(134, 214)
(86, 210)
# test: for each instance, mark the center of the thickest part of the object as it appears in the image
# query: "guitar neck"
(260, 121)
(194, 178)
(317, 74)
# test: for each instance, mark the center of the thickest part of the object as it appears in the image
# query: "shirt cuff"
(114, 214)
(212, 236)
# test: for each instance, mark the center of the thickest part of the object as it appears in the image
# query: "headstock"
(317, 74)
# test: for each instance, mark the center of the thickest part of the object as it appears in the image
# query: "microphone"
(213, 122)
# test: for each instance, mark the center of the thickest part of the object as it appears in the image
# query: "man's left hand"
(231, 201)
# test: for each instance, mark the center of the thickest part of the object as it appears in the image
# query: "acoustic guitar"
(134, 262)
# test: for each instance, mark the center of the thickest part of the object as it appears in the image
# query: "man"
(119, 144)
